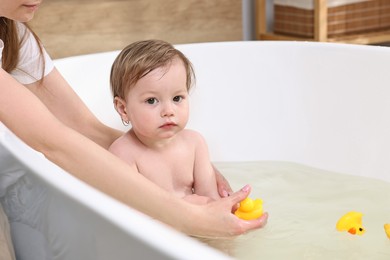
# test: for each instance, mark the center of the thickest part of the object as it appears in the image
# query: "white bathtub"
(319, 104)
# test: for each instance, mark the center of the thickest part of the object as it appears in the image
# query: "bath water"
(304, 205)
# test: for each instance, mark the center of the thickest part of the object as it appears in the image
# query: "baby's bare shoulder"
(122, 145)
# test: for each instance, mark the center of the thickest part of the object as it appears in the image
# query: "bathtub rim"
(151, 232)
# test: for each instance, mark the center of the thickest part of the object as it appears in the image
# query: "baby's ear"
(120, 107)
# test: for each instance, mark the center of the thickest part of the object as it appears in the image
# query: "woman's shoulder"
(30, 67)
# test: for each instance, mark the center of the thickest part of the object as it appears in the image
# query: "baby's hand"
(223, 185)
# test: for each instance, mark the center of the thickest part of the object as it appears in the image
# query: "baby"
(150, 82)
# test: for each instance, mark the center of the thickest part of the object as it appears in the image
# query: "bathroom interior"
(300, 114)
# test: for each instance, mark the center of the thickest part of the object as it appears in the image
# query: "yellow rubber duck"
(250, 209)
(387, 230)
(351, 222)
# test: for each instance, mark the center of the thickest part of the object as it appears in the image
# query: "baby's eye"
(177, 98)
(151, 101)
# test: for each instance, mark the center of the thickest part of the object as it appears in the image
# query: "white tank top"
(30, 67)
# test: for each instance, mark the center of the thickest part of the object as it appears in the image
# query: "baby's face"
(157, 105)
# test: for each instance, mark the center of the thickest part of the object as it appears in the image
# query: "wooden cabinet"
(320, 27)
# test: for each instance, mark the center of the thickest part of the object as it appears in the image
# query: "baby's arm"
(205, 183)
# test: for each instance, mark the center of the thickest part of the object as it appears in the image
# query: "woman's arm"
(56, 94)
(26, 116)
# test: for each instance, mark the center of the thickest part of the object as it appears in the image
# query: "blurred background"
(75, 27)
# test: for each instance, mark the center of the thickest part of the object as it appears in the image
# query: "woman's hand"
(217, 220)
(197, 199)
(223, 186)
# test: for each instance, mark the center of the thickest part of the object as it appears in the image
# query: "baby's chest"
(169, 171)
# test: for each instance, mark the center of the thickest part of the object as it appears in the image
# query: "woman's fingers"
(256, 223)
(221, 219)
(238, 196)
(246, 225)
